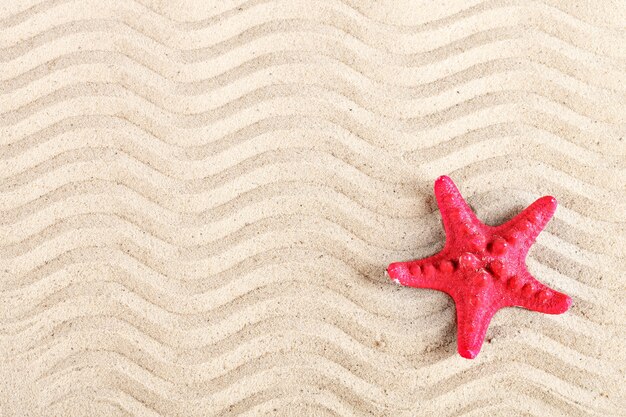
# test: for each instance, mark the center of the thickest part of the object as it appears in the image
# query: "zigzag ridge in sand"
(55, 190)
(196, 210)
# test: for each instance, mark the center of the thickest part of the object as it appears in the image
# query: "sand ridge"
(199, 200)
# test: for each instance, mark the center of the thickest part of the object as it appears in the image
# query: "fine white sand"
(198, 201)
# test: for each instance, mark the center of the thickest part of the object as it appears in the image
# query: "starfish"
(482, 267)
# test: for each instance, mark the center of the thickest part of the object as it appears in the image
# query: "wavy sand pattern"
(198, 203)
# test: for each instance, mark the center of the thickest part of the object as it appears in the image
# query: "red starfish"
(482, 267)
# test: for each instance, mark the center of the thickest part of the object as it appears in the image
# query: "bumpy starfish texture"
(482, 267)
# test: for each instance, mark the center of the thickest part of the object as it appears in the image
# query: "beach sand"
(199, 201)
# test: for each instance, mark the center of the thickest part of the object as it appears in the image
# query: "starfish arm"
(454, 210)
(472, 324)
(531, 294)
(527, 225)
(423, 273)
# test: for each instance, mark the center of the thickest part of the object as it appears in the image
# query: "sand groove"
(197, 205)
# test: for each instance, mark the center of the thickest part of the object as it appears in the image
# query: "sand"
(198, 203)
